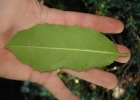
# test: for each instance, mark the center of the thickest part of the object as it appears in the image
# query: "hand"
(16, 15)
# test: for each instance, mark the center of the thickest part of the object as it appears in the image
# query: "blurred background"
(128, 11)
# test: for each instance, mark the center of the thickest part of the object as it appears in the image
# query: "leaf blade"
(56, 46)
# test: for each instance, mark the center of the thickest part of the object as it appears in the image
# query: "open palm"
(16, 15)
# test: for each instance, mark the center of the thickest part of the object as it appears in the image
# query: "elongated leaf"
(50, 47)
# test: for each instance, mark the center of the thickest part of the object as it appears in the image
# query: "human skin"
(16, 15)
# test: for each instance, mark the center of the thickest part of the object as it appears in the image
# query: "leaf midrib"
(68, 49)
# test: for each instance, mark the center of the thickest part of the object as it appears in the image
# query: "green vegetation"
(63, 46)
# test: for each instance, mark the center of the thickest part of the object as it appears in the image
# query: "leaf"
(50, 47)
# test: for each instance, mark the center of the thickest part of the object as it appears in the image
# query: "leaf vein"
(67, 49)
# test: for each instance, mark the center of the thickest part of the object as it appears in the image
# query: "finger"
(53, 83)
(96, 76)
(123, 49)
(99, 23)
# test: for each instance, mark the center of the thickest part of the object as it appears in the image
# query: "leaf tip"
(124, 54)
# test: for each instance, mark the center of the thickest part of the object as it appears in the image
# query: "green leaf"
(50, 47)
